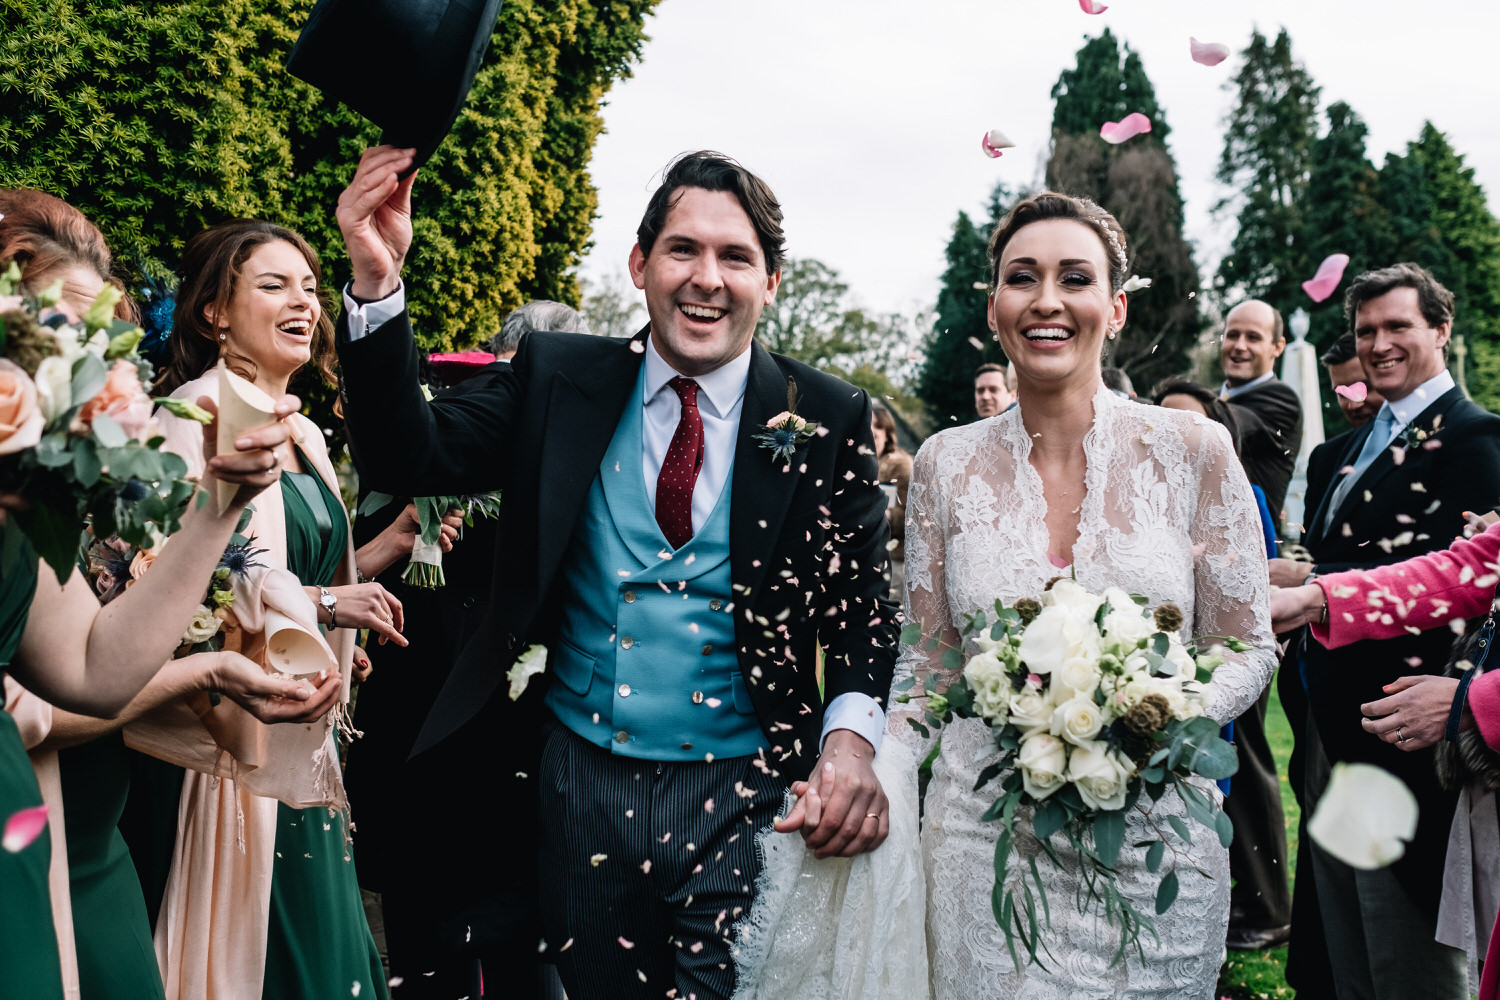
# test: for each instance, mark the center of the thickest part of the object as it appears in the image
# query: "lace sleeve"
(1231, 585)
(926, 589)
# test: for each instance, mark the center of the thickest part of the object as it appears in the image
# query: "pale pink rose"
(775, 421)
(122, 399)
(21, 420)
(143, 560)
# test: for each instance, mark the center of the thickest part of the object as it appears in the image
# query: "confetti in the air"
(1135, 283)
(1330, 273)
(1131, 125)
(23, 827)
(1365, 817)
(994, 142)
(1090, 7)
(1208, 53)
(1354, 392)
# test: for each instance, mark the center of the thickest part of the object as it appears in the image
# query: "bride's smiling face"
(1052, 306)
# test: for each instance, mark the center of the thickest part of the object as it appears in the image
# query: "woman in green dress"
(249, 297)
(103, 934)
(61, 645)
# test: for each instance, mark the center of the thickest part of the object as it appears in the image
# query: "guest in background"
(1401, 496)
(993, 391)
(1118, 382)
(895, 476)
(1253, 339)
(443, 905)
(1260, 903)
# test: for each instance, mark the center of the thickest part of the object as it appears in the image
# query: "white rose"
(1058, 634)
(1077, 720)
(1067, 594)
(54, 387)
(1178, 656)
(202, 628)
(1030, 711)
(1128, 626)
(527, 665)
(1119, 600)
(1077, 674)
(991, 686)
(1044, 762)
(1101, 776)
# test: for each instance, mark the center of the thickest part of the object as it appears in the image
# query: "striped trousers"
(646, 866)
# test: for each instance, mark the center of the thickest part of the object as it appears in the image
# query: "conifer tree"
(946, 381)
(1137, 182)
(1266, 161)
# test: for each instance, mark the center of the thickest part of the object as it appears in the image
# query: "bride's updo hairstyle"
(1051, 205)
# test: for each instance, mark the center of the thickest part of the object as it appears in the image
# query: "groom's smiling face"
(705, 281)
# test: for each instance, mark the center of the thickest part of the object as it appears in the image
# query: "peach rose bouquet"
(77, 443)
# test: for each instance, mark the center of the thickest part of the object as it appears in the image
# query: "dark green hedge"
(158, 119)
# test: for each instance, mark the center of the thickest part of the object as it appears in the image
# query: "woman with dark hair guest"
(261, 890)
(895, 477)
(72, 656)
(81, 762)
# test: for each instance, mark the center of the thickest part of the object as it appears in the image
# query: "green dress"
(29, 965)
(319, 944)
(111, 930)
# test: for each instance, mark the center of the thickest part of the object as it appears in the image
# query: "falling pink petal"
(1208, 53)
(23, 827)
(1354, 392)
(1132, 124)
(1330, 273)
(1089, 7)
(994, 142)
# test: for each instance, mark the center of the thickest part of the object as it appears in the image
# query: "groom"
(680, 571)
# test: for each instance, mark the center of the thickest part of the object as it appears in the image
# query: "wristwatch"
(329, 601)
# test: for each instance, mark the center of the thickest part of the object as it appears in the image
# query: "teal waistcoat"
(645, 665)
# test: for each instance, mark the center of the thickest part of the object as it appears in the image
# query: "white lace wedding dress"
(1168, 513)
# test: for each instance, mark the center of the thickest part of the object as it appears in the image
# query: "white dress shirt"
(1228, 392)
(721, 397)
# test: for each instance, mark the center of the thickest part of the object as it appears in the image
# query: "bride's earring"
(223, 337)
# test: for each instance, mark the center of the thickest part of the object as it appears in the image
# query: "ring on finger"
(1400, 737)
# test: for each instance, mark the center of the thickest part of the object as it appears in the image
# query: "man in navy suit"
(682, 570)
(1402, 483)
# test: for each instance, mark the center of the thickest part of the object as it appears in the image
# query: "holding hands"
(842, 811)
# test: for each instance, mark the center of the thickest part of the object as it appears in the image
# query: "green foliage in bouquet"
(81, 448)
(1099, 706)
(158, 120)
(425, 567)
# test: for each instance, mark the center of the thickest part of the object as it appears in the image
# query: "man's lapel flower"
(786, 432)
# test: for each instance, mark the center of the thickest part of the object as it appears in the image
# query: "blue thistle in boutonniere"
(786, 432)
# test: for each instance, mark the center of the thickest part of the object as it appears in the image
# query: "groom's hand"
(842, 811)
(374, 214)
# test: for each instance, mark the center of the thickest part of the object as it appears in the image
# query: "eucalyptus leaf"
(1154, 855)
(1224, 826)
(1109, 836)
(1166, 893)
(911, 633)
(1178, 824)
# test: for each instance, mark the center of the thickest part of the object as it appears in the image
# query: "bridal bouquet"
(77, 443)
(1094, 700)
(424, 568)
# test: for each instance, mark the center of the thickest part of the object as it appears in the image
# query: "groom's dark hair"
(716, 172)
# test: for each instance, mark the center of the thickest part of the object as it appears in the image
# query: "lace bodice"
(1168, 513)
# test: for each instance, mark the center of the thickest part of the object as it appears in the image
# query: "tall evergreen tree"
(1137, 182)
(1344, 214)
(1266, 161)
(946, 381)
(1444, 222)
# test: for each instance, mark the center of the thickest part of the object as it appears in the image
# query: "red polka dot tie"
(679, 470)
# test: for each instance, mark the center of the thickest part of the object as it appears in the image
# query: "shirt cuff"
(856, 712)
(366, 316)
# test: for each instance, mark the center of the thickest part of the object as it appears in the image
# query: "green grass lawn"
(1255, 975)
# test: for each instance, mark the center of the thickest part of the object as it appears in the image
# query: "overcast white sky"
(865, 117)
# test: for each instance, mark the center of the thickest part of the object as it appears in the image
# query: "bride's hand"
(843, 811)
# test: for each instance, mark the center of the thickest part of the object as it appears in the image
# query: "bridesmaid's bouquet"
(77, 443)
(1094, 700)
(424, 568)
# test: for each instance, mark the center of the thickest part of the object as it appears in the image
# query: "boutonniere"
(786, 432)
(1416, 436)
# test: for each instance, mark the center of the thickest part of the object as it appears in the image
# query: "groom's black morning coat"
(807, 544)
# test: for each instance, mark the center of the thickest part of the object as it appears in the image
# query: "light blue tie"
(1379, 439)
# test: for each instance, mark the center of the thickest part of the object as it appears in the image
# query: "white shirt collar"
(1405, 410)
(1227, 391)
(720, 390)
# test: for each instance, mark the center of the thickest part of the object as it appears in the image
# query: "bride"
(1071, 481)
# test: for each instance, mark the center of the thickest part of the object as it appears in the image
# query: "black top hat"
(407, 65)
